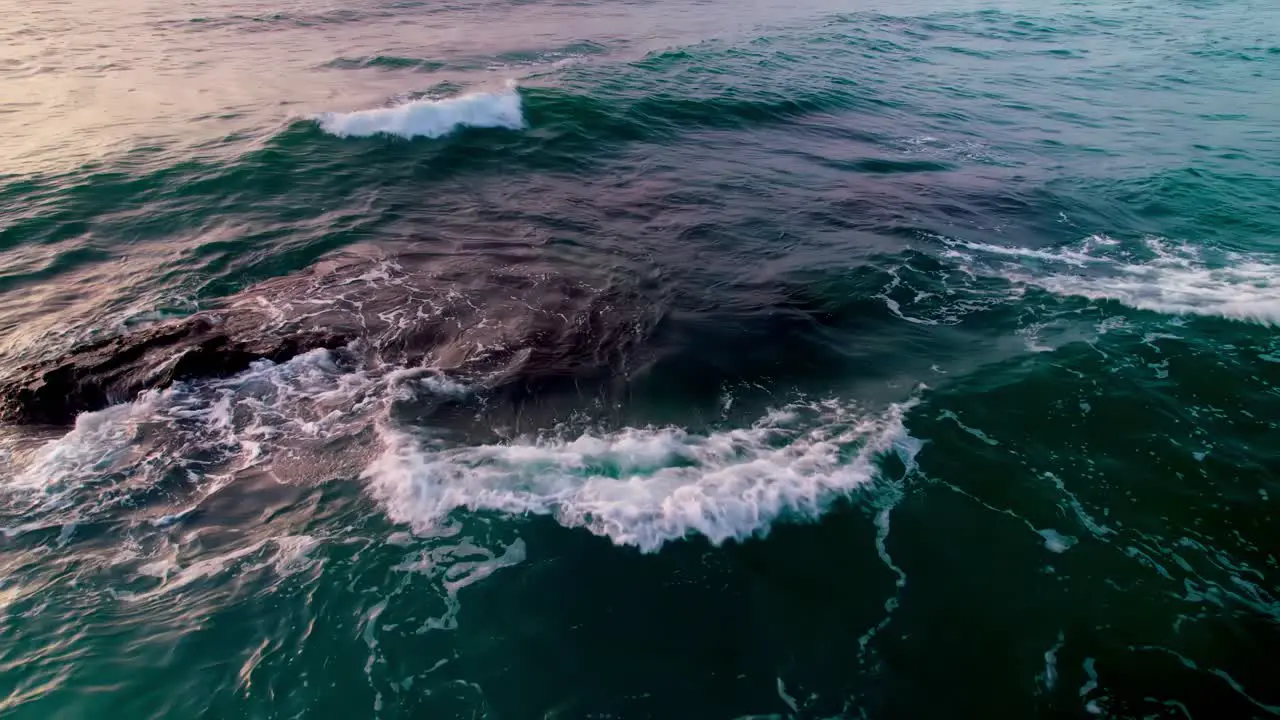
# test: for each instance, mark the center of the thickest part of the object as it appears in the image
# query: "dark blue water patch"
(887, 166)
(668, 598)
(1119, 429)
(1226, 209)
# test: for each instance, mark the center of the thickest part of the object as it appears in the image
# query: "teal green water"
(890, 360)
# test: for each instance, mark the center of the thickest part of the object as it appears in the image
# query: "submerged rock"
(91, 377)
(512, 327)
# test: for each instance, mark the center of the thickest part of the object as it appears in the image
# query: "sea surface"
(910, 359)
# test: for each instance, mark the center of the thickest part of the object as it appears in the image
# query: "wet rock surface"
(93, 376)
(511, 328)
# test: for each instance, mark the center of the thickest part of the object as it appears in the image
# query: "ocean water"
(871, 359)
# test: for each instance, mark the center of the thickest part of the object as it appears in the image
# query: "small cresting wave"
(430, 118)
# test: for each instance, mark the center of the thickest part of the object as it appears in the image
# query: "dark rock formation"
(92, 376)
(515, 327)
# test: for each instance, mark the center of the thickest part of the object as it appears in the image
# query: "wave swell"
(430, 118)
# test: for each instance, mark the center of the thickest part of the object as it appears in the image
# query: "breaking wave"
(430, 118)
(1158, 276)
(637, 486)
(647, 486)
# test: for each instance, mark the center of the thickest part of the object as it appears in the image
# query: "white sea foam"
(1163, 277)
(637, 486)
(1068, 256)
(646, 486)
(278, 418)
(1055, 541)
(1050, 675)
(204, 416)
(430, 118)
(1247, 291)
(97, 442)
(283, 555)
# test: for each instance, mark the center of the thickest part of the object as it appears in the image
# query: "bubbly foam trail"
(647, 486)
(1173, 279)
(430, 118)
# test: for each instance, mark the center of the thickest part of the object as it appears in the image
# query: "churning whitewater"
(648, 486)
(637, 486)
(1154, 275)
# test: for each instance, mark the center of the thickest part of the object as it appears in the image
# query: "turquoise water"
(713, 361)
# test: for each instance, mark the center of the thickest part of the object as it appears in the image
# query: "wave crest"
(430, 118)
(1159, 276)
(647, 486)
